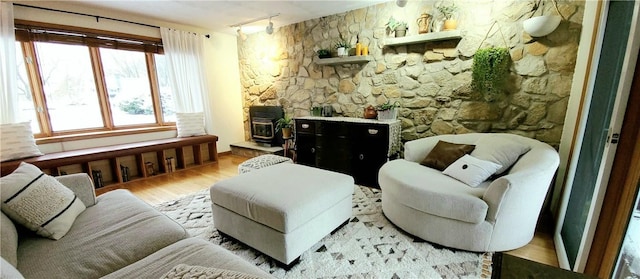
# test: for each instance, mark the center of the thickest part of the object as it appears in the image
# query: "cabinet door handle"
(313, 150)
(373, 131)
(306, 126)
(361, 157)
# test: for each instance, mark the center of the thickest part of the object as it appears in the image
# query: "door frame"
(622, 95)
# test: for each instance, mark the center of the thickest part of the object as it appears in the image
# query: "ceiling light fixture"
(254, 20)
(269, 29)
(401, 3)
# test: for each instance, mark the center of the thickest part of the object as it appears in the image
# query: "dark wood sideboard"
(353, 146)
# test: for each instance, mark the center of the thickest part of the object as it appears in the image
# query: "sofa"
(498, 214)
(116, 236)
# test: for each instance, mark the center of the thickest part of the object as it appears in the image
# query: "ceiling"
(219, 15)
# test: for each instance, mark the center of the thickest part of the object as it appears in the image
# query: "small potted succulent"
(448, 12)
(397, 26)
(343, 47)
(324, 53)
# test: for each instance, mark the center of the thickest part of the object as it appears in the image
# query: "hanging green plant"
(490, 71)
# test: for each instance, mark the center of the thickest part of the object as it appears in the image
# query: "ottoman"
(282, 210)
(261, 162)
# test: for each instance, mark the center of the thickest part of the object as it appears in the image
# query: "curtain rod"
(97, 17)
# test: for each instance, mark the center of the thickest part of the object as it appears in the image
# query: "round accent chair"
(499, 214)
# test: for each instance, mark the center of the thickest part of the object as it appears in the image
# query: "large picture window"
(80, 81)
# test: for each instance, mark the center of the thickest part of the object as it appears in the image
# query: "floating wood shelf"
(344, 60)
(422, 38)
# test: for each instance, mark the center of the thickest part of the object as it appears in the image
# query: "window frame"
(93, 40)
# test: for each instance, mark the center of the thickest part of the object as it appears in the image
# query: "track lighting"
(401, 3)
(241, 34)
(270, 27)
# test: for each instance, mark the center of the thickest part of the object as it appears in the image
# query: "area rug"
(369, 246)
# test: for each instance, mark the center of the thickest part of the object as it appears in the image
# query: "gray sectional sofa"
(117, 236)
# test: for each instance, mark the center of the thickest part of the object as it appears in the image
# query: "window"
(69, 86)
(26, 107)
(76, 81)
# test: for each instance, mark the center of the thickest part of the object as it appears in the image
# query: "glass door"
(628, 263)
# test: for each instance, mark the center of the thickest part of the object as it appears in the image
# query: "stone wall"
(431, 81)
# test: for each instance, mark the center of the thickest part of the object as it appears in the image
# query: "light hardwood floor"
(172, 186)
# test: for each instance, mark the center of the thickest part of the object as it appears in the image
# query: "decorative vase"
(387, 115)
(423, 23)
(342, 52)
(370, 112)
(540, 26)
(450, 24)
(400, 31)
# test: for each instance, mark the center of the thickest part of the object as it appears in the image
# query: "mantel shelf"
(429, 37)
(344, 60)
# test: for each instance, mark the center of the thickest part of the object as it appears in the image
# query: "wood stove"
(263, 125)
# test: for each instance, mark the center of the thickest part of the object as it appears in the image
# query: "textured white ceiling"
(219, 15)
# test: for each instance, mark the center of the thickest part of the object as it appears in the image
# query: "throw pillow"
(445, 153)
(471, 171)
(499, 150)
(16, 141)
(190, 124)
(39, 202)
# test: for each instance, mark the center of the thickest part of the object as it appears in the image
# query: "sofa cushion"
(39, 202)
(470, 170)
(500, 150)
(8, 240)
(445, 153)
(118, 230)
(16, 141)
(8, 271)
(190, 251)
(430, 191)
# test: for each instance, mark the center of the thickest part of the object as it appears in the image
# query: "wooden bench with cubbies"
(143, 159)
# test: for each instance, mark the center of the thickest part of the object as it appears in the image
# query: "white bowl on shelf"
(540, 26)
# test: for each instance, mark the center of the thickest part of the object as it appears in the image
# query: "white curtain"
(8, 68)
(185, 57)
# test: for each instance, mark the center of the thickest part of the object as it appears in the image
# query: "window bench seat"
(140, 159)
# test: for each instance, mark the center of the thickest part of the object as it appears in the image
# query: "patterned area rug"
(369, 246)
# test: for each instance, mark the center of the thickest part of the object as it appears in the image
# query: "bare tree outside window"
(128, 86)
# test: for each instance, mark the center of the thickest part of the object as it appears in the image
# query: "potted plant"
(343, 47)
(324, 53)
(490, 71)
(397, 26)
(448, 11)
(285, 124)
(388, 111)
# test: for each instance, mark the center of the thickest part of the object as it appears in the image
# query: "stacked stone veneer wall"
(431, 81)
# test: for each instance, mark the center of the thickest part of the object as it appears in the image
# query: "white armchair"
(498, 215)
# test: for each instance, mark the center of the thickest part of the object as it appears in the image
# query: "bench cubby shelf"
(423, 38)
(91, 159)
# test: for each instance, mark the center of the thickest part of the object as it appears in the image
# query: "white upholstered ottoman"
(282, 210)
